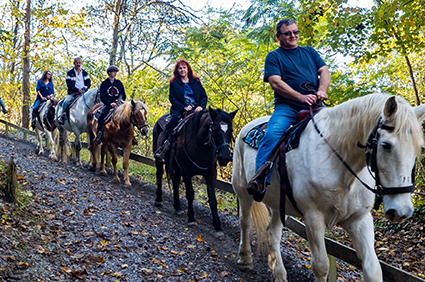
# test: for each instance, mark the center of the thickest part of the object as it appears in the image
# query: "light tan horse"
(119, 132)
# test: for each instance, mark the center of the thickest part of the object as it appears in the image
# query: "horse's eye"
(386, 146)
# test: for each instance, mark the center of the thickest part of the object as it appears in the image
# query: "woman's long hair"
(43, 77)
(189, 71)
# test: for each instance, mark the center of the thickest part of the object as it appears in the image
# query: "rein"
(84, 98)
(371, 149)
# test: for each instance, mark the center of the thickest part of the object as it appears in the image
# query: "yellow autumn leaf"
(199, 238)
(311, 11)
(104, 242)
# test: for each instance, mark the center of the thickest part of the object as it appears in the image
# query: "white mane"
(352, 121)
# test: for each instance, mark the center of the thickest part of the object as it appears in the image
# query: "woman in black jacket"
(186, 94)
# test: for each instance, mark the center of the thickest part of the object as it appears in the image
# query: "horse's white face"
(396, 156)
(395, 160)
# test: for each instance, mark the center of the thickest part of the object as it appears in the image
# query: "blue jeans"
(283, 117)
(65, 103)
(34, 108)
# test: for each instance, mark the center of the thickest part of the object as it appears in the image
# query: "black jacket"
(109, 93)
(70, 81)
(177, 95)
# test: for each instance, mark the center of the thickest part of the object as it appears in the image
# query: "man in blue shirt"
(285, 69)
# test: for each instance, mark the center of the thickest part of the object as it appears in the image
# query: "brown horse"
(119, 132)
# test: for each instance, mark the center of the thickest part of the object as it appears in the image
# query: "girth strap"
(285, 185)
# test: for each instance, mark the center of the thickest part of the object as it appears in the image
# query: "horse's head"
(221, 130)
(139, 112)
(397, 142)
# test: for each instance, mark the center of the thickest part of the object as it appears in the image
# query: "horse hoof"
(179, 212)
(128, 184)
(159, 204)
(104, 173)
(192, 223)
(115, 180)
(245, 267)
(92, 168)
(219, 235)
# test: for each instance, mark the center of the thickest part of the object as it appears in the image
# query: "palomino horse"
(75, 123)
(119, 132)
(45, 123)
(204, 139)
(324, 190)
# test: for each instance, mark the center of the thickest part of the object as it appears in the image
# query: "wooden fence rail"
(334, 249)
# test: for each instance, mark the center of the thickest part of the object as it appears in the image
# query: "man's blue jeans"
(283, 117)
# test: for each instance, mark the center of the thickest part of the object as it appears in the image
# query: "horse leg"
(361, 230)
(63, 142)
(39, 150)
(52, 154)
(245, 254)
(112, 151)
(93, 156)
(274, 231)
(78, 149)
(212, 200)
(159, 173)
(176, 198)
(315, 227)
(104, 150)
(190, 196)
(125, 160)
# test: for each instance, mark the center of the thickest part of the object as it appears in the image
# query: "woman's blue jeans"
(283, 117)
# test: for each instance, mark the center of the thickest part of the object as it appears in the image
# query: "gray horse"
(76, 123)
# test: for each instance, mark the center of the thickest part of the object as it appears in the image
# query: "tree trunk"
(26, 100)
(11, 183)
(412, 78)
(115, 26)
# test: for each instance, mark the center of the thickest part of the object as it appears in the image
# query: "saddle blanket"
(292, 135)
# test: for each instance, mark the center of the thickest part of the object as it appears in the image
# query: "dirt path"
(80, 224)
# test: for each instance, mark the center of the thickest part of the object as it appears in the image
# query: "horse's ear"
(213, 113)
(420, 112)
(233, 114)
(390, 107)
(133, 104)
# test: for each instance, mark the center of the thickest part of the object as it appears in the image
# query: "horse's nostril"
(391, 213)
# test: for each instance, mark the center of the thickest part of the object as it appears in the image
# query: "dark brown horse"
(204, 140)
(119, 132)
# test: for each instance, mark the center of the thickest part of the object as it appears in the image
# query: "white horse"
(46, 114)
(75, 123)
(324, 190)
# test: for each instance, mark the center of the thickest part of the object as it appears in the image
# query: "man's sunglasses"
(288, 33)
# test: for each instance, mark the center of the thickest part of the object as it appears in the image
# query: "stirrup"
(98, 139)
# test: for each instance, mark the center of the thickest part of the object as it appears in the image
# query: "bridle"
(371, 149)
(139, 127)
(210, 141)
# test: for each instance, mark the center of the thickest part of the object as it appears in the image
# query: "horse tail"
(260, 221)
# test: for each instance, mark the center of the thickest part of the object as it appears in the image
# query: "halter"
(139, 127)
(371, 149)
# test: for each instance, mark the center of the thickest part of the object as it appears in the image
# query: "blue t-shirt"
(189, 97)
(294, 66)
(45, 89)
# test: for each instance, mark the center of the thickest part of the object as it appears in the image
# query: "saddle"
(289, 140)
(108, 116)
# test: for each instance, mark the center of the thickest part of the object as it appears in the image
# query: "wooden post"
(25, 136)
(332, 277)
(73, 152)
(7, 128)
(47, 143)
(11, 183)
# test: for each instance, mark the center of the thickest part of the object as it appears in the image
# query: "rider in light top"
(45, 90)
(111, 93)
(77, 81)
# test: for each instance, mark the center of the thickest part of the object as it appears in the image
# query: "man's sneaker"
(5, 111)
(61, 120)
(98, 139)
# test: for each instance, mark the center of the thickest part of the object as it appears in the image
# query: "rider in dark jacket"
(111, 94)
(186, 94)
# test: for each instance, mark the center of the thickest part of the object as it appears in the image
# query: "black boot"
(134, 141)
(33, 123)
(98, 139)
(5, 111)
(61, 119)
(162, 151)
